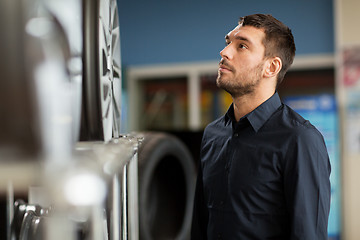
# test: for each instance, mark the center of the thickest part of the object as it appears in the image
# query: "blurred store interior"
(169, 62)
(170, 53)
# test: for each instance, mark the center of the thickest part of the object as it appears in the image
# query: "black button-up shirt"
(264, 177)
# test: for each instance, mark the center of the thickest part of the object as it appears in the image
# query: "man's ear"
(273, 67)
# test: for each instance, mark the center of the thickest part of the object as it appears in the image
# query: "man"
(264, 170)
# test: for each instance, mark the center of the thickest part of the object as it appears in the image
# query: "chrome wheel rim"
(109, 68)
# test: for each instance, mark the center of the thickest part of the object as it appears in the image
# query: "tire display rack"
(60, 144)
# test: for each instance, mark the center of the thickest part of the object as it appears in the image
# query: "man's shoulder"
(288, 117)
(292, 121)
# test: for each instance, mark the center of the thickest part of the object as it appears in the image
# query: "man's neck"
(247, 103)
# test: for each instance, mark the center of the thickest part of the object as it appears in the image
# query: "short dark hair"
(278, 41)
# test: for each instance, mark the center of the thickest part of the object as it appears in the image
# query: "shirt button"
(221, 203)
(236, 134)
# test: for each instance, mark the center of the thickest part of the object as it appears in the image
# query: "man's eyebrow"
(237, 37)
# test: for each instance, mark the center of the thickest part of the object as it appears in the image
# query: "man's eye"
(242, 46)
(227, 43)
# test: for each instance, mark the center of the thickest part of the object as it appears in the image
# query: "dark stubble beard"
(239, 87)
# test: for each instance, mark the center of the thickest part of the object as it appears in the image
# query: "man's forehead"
(240, 28)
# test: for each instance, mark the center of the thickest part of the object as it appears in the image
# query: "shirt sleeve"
(307, 186)
(200, 213)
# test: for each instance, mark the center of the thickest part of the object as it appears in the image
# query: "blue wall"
(168, 31)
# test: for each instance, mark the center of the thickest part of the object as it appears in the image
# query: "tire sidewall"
(152, 152)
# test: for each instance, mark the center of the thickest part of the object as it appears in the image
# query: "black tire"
(96, 67)
(90, 120)
(166, 187)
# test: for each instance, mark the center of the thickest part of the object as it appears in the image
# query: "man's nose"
(226, 52)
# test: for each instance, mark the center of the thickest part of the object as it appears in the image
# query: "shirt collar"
(259, 115)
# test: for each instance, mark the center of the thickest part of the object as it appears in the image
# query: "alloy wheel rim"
(109, 68)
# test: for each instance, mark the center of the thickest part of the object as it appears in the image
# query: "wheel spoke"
(114, 15)
(103, 51)
(116, 93)
(116, 72)
(115, 36)
(116, 88)
(116, 47)
(104, 13)
(106, 88)
(104, 30)
(107, 107)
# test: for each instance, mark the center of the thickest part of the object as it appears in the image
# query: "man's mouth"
(224, 67)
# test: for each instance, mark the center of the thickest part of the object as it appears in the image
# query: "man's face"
(242, 61)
